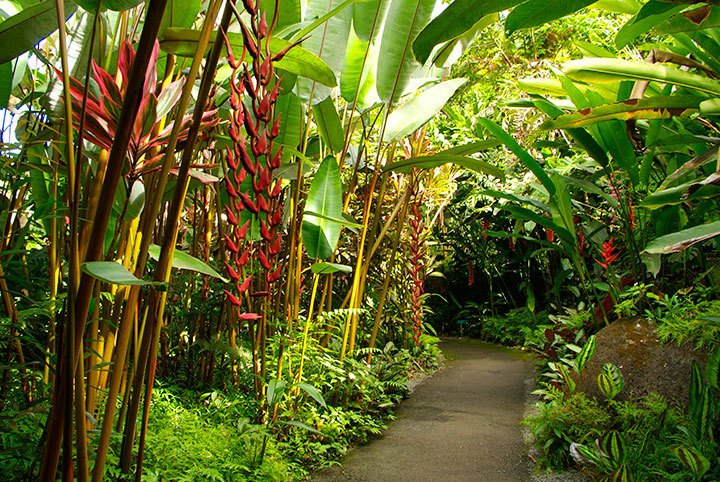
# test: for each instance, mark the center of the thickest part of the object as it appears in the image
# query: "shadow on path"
(459, 425)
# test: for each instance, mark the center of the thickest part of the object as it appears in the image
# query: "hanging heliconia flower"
(417, 265)
(250, 184)
(471, 274)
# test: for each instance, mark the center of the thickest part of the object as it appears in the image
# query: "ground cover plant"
(245, 222)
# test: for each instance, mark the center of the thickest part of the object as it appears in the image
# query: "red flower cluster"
(417, 267)
(608, 254)
(250, 182)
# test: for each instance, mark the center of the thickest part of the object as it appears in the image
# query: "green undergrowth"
(218, 436)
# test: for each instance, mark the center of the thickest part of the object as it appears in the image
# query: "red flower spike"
(249, 41)
(248, 162)
(262, 203)
(230, 216)
(231, 272)
(275, 275)
(240, 176)
(230, 188)
(245, 285)
(607, 254)
(233, 299)
(550, 235)
(276, 189)
(263, 178)
(275, 130)
(277, 216)
(276, 160)
(264, 231)
(232, 163)
(263, 27)
(230, 244)
(242, 261)
(263, 260)
(275, 246)
(249, 204)
(242, 232)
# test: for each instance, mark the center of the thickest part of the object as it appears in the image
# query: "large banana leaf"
(369, 13)
(539, 12)
(699, 18)
(415, 113)
(455, 20)
(22, 31)
(603, 70)
(652, 13)
(183, 42)
(319, 234)
(328, 42)
(6, 76)
(660, 107)
(354, 76)
(396, 64)
(681, 240)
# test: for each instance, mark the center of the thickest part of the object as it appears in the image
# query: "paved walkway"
(460, 425)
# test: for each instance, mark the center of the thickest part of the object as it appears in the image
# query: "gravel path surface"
(459, 425)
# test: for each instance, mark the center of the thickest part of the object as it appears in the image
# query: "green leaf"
(459, 17)
(601, 71)
(313, 392)
(111, 272)
(301, 425)
(298, 60)
(621, 473)
(415, 113)
(319, 235)
(354, 76)
(136, 200)
(345, 220)
(329, 125)
(275, 391)
(538, 12)
(585, 354)
(114, 5)
(182, 260)
(613, 446)
(435, 160)
(22, 31)
(681, 240)
(328, 268)
(699, 18)
(396, 64)
(659, 107)
(6, 77)
(179, 13)
(677, 195)
(651, 14)
(692, 459)
(521, 153)
(365, 14)
(610, 381)
(328, 42)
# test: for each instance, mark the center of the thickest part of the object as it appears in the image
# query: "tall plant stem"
(405, 203)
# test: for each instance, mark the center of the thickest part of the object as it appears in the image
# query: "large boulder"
(646, 364)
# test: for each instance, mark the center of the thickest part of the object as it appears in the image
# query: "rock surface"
(646, 364)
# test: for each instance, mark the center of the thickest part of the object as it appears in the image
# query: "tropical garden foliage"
(231, 230)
